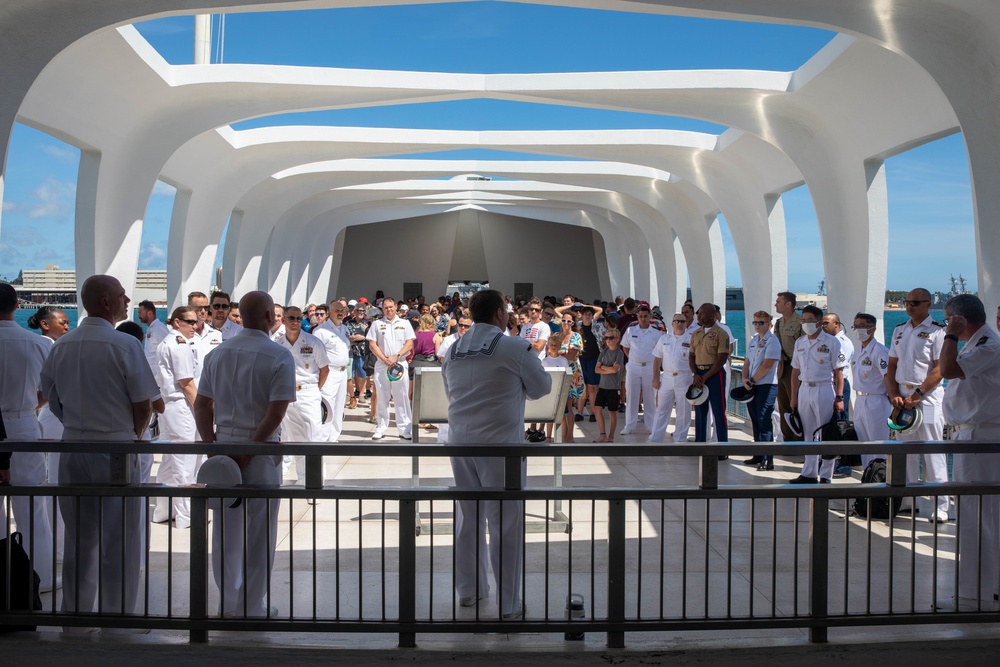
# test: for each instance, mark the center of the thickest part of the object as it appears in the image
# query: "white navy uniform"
(639, 344)
(304, 418)
(155, 333)
(22, 355)
(227, 330)
(334, 390)
(446, 343)
(242, 377)
(675, 378)
(871, 404)
(917, 350)
(203, 343)
(487, 377)
(972, 406)
(91, 378)
(175, 362)
(390, 338)
(816, 360)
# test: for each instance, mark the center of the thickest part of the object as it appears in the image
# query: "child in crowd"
(553, 359)
(609, 367)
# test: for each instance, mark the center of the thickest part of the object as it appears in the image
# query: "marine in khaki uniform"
(788, 328)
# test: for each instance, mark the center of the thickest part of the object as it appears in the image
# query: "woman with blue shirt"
(759, 376)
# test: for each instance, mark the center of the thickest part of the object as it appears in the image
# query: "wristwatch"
(918, 391)
(951, 337)
(838, 397)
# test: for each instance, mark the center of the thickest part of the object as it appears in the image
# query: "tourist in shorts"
(609, 367)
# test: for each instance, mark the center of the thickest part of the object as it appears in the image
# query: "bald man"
(100, 387)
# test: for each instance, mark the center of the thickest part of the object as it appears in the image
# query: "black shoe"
(593, 418)
(621, 409)
(368, 394)
(803, 480)
(840, 474)
(723, 458)
(578, 417)
(756, 460)
(357, 394)
(824, 480)
(765, 466)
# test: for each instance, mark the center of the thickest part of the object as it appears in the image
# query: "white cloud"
(55, 199)
(152, 256)
(9, 206)
(65, 153)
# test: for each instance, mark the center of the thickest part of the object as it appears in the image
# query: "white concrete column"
(878, 245)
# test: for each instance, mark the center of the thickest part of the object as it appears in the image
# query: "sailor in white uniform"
(99, 385)
(220, 322)
(972, 405)
(391, 339)
(21, 357)
(817, 389)
(638, 342)
(156, 331)
(246, 386)
(671, 378)
(487, 377)
(176, 370)
(913, 378)
(304, 418)
(868, 368)
(333, 332)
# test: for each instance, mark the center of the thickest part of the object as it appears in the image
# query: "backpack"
(879, 507)
(21, 573)
(838, 429)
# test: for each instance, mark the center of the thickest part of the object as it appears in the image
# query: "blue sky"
(930, 205)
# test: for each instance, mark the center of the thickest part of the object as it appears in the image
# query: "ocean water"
(736, 320)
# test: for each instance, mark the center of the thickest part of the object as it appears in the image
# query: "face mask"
(809, 328)
(862, 334)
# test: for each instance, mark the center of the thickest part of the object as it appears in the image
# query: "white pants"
(971, 553)
(96, 524)
(303, 423)
(245, 591)
(638, 379)
(33, 515)
(399, 390)
(177, 425)
(931, 428)
(870, 415)
(670, 398)
(815, 409)
(335, 392)
(505, 522)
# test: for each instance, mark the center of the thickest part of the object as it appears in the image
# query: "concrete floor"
(711, 559)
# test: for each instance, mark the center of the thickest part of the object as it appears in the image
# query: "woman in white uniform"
(176, 371)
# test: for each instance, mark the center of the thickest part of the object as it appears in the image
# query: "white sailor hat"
(221, 471)
(696, 395)
(794, 422)
(905, 420)
(741, 394)
(395, 372)
(325, 411)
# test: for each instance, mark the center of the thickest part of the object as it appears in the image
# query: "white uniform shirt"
(760, 349)
(673, 352)
(203, 343)
(227, 330)
(693, 326)
(868, 367)
(243, 376)
(175, 361)
(640, 342)
(976, 399)
(279, 332)
(337, 342)
(309, 354)
(92, 377)
(447, 342)
(846, 347)
(916, 349)
(390, 336)
(536, 332)
(487, 377)
(155, 333)
(22, 354)
(816, 359)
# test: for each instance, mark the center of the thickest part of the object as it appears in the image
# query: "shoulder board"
(981, 341)
(182, 340)
(938, 323)
(633, 324)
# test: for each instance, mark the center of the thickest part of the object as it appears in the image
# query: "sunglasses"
(191, 322)
(202, 308)
(220, 306)
(464, 326)
(611, 338)
(916, 302)
(536, 310)
(685, 322)
(292, 318)
(758, 323)
(549, 314)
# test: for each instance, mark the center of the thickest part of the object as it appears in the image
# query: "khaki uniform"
(788, 330)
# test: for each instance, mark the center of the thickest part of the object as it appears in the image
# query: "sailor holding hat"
(390, 339)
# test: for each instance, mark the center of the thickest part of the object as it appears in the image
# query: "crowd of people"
(257, 371)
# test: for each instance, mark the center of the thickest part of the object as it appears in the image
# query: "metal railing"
(694, 557)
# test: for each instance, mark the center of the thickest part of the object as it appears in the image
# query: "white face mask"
(862, 334)
(809, 328)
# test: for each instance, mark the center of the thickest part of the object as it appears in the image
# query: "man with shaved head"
(99, 386)
(913, 378)
(246, 386)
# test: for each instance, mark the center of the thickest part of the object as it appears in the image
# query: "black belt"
(703, 367)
